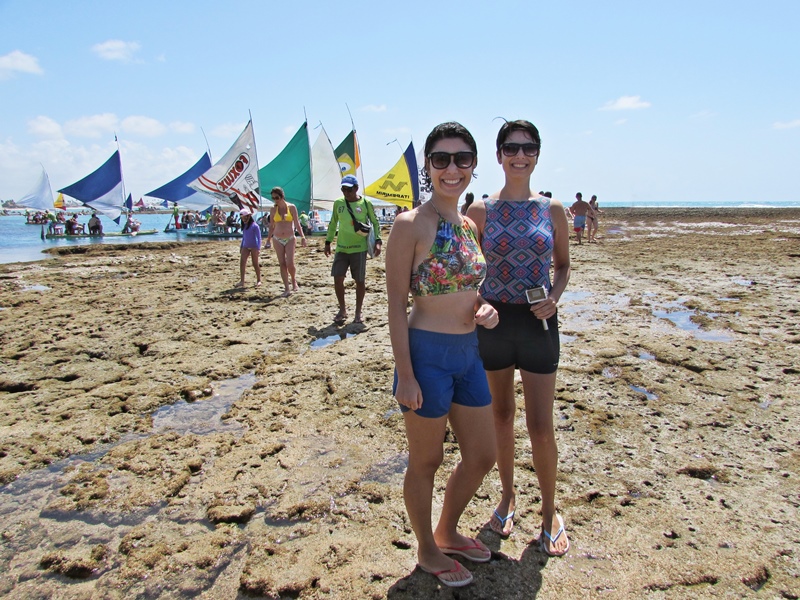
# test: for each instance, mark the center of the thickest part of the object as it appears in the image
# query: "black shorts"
(520, 341)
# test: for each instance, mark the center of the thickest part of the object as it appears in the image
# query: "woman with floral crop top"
(522, 235)
(433, 254)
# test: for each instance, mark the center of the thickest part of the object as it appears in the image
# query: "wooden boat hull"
(78, 236)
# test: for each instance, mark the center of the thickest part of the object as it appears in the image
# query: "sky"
(635, 101)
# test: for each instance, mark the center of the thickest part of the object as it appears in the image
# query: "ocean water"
(20, 242)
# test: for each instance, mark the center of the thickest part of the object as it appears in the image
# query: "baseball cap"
(245, 211)
(349, 181)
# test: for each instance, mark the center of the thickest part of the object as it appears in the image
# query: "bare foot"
(502, 521)
(340, 317)
(240, 284)
(554, 542)
(258, 283)
(295, 287)
(286, 293)
(448, 571)
(359, 318)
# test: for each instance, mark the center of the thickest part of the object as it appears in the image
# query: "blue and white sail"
(40, 197)
(179, 191)
(102, 190)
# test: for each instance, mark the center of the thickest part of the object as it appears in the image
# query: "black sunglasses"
(512, 148)
(442, 160)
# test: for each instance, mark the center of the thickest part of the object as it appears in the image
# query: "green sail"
(291, 170)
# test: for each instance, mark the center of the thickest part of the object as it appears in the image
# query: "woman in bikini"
(522, 234)
(433, 255)
(594, 222)
(283, 222)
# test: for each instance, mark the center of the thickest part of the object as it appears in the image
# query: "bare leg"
(290, 268)
(254, 253)
(425, 453)
(473, 428)
(243, 254)
(504, 408)
(539, 399)
(280, 252)
(338, 287)
(361, 290)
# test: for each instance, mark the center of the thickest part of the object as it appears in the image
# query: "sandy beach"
(166, 435)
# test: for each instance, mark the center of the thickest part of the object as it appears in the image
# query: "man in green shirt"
(351, 247)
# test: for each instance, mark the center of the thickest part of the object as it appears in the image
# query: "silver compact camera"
(535, 295)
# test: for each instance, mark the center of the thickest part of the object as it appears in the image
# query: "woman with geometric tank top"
(522, 234)
(433, 255)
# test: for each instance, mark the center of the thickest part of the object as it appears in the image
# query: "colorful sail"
(40, 197)
(326, 176)
(400, 185)
(101, 190)
(178, 189)
(60, 203)
(234, 178)
(291, 170)
(349, 157)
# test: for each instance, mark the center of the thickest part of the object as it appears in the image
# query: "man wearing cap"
(351, 247)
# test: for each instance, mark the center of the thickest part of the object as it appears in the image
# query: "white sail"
(325, 172)
(40, 197)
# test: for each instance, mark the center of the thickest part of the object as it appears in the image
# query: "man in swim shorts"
(580, 209)
(351, 247)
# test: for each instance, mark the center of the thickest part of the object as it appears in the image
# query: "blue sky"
(635, 101)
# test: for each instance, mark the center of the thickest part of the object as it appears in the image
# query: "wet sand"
(163, 434)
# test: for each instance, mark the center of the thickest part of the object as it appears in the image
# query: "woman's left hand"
(544, 309)
(304, 242)
(486, 316)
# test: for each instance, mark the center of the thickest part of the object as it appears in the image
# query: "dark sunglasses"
(442, 160)
(512, 148)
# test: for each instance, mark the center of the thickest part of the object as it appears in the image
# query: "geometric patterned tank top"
(518, 246)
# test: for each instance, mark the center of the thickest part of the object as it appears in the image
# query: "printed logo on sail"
(239, 166)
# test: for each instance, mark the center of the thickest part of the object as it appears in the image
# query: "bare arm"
(399, 261)
(296, 223)
(561, 265)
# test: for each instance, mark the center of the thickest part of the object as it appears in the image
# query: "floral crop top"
(454, 264)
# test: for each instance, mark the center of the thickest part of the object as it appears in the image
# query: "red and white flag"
(234, 177)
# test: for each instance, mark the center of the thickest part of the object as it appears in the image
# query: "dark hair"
(469, 198)
(593, 198)
(448, 130)
(519, 125)
(548, 194)
(579, 195)
(278, 190)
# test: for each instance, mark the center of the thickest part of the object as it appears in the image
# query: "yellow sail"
(59, 202)
(398, 185)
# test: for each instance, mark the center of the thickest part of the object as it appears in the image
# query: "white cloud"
(94, 126)
(116, 50)
(18, 62)
(625, 103)
(229, 130)
(45, 127)
(181, 127)
(144, 126)
(786, 124)
(374, 108)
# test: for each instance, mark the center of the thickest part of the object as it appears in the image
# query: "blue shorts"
(448, 369)
(579, 223)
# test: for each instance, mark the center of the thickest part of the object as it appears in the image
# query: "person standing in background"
(594, 220)
(351, 247)
(250, 247)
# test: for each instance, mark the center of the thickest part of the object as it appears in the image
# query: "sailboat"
(40, 198)
(102, 191)
(179, 192)
(233, 179)
(400, 184)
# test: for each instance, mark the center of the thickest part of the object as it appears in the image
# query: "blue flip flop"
(503, 522)
(553, 539)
